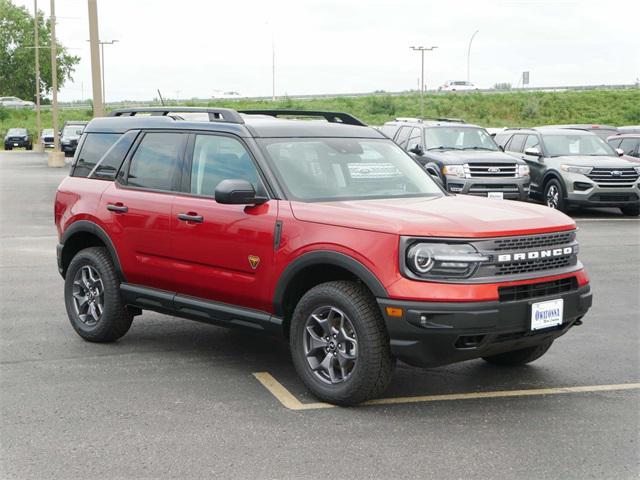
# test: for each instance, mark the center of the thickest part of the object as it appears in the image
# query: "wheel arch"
(83, 234)
(314, 268)
(552, 174)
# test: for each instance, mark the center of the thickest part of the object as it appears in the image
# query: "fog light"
(581, 186)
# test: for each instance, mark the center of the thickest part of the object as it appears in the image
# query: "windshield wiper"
(444, 148)
(479, 148)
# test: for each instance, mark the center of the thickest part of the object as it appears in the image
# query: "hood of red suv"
(451, 216)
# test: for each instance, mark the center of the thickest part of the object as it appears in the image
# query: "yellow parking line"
(292, 403)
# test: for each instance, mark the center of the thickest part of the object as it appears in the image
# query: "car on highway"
(574, 168)
(603, 131)
(46, 138)
(458, 86)
(463, 156)
(69, 136)
(18, 138)
(628, 143)
(15, 102)
(254, 221)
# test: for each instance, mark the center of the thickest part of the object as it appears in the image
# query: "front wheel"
(631, 210)
(554, 196)
(519, 357)
(339, 343)
(92, 297)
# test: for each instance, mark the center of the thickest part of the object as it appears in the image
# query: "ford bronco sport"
(269, 224)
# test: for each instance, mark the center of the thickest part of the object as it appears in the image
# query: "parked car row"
(561, 165)
(69, 136)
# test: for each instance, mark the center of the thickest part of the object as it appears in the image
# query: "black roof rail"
(331, 117)
(227, 115)
(445, 119)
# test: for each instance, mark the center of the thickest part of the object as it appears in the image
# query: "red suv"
(324, 232)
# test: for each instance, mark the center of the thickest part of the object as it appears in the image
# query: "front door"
(222, 252)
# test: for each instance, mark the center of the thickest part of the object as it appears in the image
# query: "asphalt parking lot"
(177, 399)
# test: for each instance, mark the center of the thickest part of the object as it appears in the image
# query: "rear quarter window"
(94, 146)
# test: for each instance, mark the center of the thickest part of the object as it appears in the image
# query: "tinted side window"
(516, 143)
(156, 162)
(532, 142)
(110, 163)
(415, 138)
(403, 136)
(94, 147)
(615, 142)
(630, 146)
(217, 158)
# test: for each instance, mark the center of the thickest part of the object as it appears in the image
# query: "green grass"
(513, 109)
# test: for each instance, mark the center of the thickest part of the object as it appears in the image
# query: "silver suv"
(574, 167)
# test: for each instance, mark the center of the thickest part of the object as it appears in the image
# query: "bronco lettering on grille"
(534, 255)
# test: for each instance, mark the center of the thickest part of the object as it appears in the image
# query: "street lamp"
(422, 50)
(469, 56)
(102, 44)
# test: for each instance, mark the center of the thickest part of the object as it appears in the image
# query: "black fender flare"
(548, 176)
(86, 226)
(325, 257)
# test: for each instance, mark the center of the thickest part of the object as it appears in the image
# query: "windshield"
(17, 131)
(72, 131)
(458, 138)
(327, 169)
(579, 144)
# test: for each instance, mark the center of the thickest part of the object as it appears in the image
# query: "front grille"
(514, 268)
(613, 197)
(533, 241)
(496, 187)
(491, 170)
(536, 290)
(604, 176)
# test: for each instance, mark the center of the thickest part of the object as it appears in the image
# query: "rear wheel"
(631, 210)
(92, 297)
(339, 343)
(519, 357)
(554, 196)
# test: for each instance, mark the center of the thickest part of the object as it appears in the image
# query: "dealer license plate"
(546, 314)
(496, 195)
(16, 144)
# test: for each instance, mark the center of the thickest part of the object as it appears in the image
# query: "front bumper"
(69, 147)
(439, 333)
(512, 188)
(17, 143)
(581, 190)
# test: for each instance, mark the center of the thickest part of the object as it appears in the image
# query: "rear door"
(139, 208)
(222, 253)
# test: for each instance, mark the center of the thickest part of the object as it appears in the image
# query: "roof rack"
(215, 114)
(407, 119)
(331, 117)
(445, 119)
(420, 120)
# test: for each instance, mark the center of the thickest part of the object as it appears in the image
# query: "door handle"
(118, 208)
(190, 217)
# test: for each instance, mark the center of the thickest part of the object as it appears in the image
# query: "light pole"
(102, 44)
(37, 45)
(422, 50)
(469, 56)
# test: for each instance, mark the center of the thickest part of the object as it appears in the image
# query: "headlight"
(454, 170)
(523, 170)
(443, 260)
(576, 169)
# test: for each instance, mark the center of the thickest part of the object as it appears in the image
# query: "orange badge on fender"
(254, 261)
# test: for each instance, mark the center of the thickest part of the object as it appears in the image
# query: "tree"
(17, 55)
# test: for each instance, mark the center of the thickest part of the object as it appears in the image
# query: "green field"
(513, 109)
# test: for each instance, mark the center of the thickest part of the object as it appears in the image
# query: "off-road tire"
(519, 357)
(374, 364)
(630, 210)
(115, 319)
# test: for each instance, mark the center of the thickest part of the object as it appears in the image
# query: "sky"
(193, 48)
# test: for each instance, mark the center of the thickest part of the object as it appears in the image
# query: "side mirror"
(434, 176)
(533, 152)
(620, 152)
(417, 149)
(237, 192)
